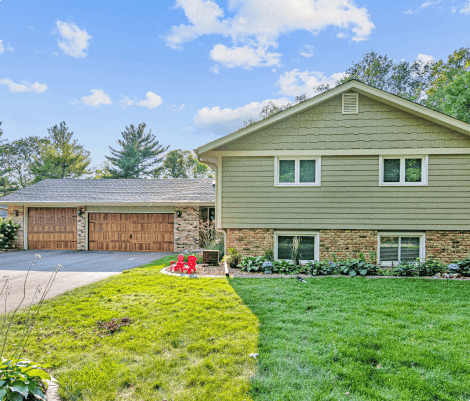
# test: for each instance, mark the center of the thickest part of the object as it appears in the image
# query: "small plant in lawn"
(20, 378)
(8, 229)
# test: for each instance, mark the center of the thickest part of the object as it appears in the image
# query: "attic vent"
(350, 103)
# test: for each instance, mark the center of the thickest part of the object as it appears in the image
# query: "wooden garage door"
(131, 232)
(54, 229)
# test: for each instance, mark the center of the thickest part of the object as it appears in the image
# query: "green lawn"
(376, 339)
(189, 340)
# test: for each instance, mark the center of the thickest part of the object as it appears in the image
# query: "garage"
(144, 232)
(52, 228)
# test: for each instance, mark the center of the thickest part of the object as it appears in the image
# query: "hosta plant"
(21, 379)
(357, 266)
(464, 267)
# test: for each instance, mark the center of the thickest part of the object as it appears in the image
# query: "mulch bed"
(217, 271)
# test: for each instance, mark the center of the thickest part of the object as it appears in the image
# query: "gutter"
(77, 204)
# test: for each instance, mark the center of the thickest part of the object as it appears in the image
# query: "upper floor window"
(403, 171)
(297, 171)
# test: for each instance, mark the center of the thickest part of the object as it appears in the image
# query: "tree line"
(442, 85)
(58, 155)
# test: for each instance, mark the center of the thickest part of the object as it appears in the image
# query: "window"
(297, 171)
(207, 214)
(309, 246)
(400, 247)
(403, 171)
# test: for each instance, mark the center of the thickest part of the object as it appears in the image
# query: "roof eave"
(77, 204)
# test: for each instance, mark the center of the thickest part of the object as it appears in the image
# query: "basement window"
(309, 245)
(400, 247)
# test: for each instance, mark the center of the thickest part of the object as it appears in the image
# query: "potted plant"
(233, 257)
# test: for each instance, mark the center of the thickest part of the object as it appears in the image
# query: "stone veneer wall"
(448, 245)
(81, 229)
(347, 243)
(19, 242)
(186, 228)
(251, 242)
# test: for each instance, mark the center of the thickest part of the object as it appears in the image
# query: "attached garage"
(142, 215)
(148, 232)
(52, 228)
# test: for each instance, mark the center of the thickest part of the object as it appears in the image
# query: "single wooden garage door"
(131, 232)
(54, 229)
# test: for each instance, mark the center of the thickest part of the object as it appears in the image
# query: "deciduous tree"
(183, 164)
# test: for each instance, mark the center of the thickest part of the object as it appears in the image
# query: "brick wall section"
(347, 243)
(186, 228)
(250, 242)
(19, 242)
(81, 229)
(448, 246)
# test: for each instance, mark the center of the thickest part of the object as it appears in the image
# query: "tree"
(101, 171)
(183, 164)
(18, 157)
(60, 156)
(138, 156)
(5, 185)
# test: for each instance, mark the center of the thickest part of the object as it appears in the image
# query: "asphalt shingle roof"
(88, 191)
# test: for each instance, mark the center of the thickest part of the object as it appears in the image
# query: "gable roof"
(136, 192)
(356, 86)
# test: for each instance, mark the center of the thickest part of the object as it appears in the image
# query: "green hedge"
(8, 230)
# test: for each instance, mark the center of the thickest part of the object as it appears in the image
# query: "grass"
(360, 339)
(189, 340)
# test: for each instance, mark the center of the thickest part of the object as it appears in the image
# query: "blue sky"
(193, 70)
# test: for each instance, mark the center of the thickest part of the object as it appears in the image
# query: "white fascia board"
(77, 204)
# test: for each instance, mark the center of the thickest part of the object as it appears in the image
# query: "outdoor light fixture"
(79, 212)
(178, 213)
(15, 212)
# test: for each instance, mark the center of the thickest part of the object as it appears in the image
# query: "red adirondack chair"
(191, 265)
(179, 265)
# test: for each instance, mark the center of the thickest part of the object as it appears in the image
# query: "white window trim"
(422, 245)
(402, 183)
(315, 234)
(297, 183)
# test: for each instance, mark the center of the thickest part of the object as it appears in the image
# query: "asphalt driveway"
(79, 269)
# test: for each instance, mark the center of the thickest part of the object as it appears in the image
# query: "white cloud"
(74, 40)
(23, 86)
(153, 101)
(2, 49)
(223, 121)
(425, 58)
(341, 35)
(307, 51)
(430, 3)
(255, 27)
(296, 83)
(215, 69)
(126, 101)
(245, 56)
(465, 9)
(96, 98)
(176, 108)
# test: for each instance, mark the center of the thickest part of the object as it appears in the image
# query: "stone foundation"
(81, 228)
(186, 228)
(448, 246)
(346, 244)
(19, 242)
(252, 242)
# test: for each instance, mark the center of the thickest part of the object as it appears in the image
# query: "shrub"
(21, 379)
(8, 229)
(464, 267)
(322, 268)
(207, 233)
(233, 257)
(357, 266)
(430, 267)
(408, 269)
(253, 263)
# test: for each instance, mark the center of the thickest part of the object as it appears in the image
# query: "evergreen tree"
(139, 155)
(59, 156)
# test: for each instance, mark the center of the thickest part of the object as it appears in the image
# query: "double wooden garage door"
(56, 229)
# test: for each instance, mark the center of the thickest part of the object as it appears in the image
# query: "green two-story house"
(351, 170)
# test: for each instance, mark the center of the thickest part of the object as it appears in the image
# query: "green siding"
(376, 126)
(349, 196)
